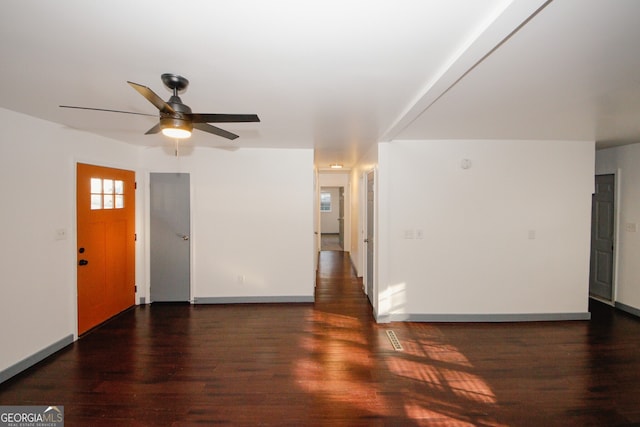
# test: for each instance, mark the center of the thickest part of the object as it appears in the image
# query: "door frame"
(338, 206)
(335, 179)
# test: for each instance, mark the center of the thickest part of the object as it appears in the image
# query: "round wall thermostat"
(465, 164)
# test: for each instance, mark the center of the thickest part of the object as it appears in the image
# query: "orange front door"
(106, 243)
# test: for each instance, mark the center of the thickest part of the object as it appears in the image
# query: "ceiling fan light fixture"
(176, 133)
(175, 128)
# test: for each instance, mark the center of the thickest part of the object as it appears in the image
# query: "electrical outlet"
(631, 227)
(409, 234)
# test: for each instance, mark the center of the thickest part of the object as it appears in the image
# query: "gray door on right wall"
(602, 231)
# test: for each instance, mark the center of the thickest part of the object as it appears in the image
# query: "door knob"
(83, 262)
(184, 237)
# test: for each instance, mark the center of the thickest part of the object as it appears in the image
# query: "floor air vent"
(394, 341)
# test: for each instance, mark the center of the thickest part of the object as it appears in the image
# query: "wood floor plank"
(329, 363)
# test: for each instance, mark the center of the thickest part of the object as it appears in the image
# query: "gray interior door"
(341, 217)
(370, 236)
(169, 237)
(602, 228)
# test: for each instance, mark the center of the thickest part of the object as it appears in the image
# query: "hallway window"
(325, 202)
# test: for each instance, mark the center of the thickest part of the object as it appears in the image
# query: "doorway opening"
(332, 218)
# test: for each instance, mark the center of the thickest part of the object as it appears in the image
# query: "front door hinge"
(135, 288)
(135, 185)
(135, 237)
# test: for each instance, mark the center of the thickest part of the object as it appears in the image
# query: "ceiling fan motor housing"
(177, 120)
(175, 123)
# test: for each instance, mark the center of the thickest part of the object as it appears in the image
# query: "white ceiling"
(333, 75)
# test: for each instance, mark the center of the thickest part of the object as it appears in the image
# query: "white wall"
(37, 184)
(329, 220)
(253, 219)
(252, 216)
(625, 163)
(249, 218)
(508, 235)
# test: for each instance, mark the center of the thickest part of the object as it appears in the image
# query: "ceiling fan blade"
(223, 118)
(107, 110)
(154, 129)
(152, 98)
(215, 130)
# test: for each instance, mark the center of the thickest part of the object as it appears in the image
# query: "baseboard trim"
(488, 318)
(381, 318)
(253, 300)
(628, 309)
(35, 358)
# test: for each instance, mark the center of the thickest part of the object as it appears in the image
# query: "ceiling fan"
(176, 119)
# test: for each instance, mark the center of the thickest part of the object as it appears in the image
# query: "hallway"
(328, 363)
(330, 242)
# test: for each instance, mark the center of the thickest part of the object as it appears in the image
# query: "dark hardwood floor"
(328, 363)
